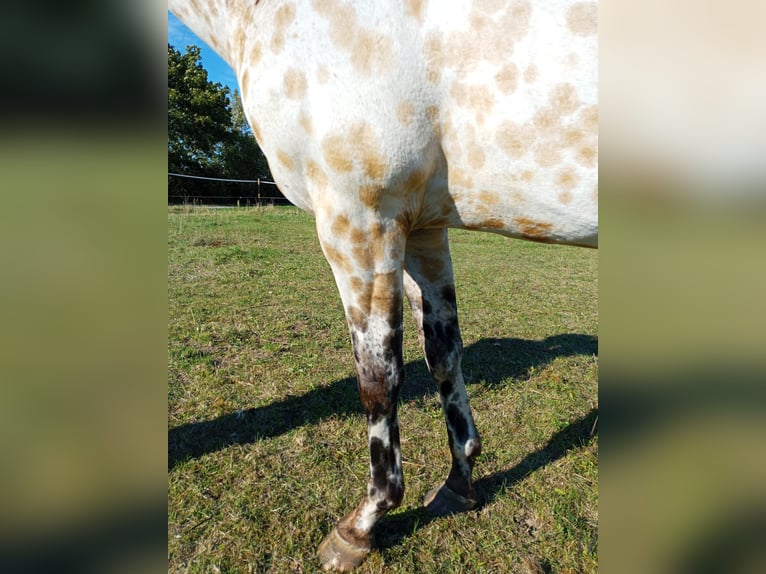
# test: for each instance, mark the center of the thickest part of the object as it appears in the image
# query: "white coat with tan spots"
(392, 121)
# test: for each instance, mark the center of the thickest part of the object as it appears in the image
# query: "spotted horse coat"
(392, 121)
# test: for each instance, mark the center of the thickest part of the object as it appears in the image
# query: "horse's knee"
(443, 349)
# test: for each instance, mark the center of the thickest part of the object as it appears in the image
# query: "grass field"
(267, 441)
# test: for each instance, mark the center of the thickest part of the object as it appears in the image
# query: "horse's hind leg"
(430, 288)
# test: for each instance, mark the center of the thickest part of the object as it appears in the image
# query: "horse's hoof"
(443, 501)
(338, 554)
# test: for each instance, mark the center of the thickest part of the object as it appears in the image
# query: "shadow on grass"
(392, 530)
(489, 361)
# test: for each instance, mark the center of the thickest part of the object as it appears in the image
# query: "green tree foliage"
(242, 157)
(199, 115)
(208, 135)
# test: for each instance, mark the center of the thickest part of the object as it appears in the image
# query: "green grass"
(267, 439)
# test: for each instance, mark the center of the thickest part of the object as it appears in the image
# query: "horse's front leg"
(368, 270)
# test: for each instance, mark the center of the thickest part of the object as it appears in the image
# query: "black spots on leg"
(442, 343)
(448, 294)
(392, 344)
(451, 335)
(395, 314)
(447, 334)
(439, 332)
(382, 465)
(379, 461)
(446, 388)
(427, 309)
(458, 422)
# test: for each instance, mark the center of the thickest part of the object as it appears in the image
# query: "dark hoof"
(443, 501)
(338, 554)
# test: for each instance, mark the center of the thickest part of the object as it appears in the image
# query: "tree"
(199, 119)
(243, 159)
(209, 136)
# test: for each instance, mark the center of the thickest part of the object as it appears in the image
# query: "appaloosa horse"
(391, 121)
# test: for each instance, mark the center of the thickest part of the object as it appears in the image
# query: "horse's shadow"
(489, 361)
(392, 531)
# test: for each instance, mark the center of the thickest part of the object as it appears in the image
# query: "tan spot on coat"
(358, 236)
(306, 123)
(563, 99)
(566, 179)
(237, 46)
(532, 229)
(367, 144)
(433, 75)
(245, 82)
(357, 318)
(357, 285)
(284, 16)
(256, 52)
(317, 175)
(515, 140)
(363, 256)
(336, 154)
(589, 118)
(488, 198)
(507, 78)
(337, 259)
(340, 226)
(475, 156)
(434, 58)
(587, 156)
(416, 9)
(372, 52)
(480, 98)
(547, 154)
(405, 112)
(565, 197)
(459, 178)
(295, 84)
(385, 292)
(582, 18)
(572, 137)
(459, 93)
(516, 21)
(285, 160)
(491, 223)
(370, 195)
(546, 119)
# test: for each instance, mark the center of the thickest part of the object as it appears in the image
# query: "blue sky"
(179, 36)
